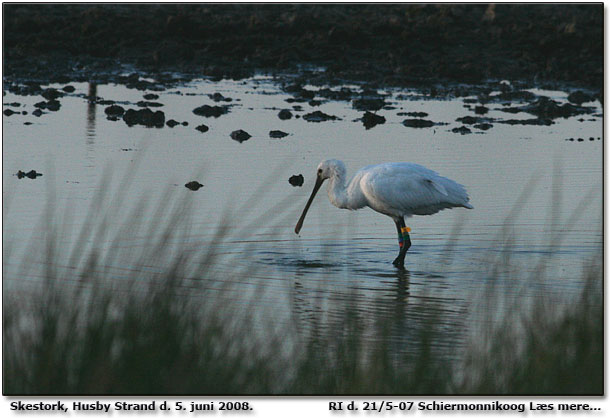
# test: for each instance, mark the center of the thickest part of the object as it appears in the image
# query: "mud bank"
(397, 44)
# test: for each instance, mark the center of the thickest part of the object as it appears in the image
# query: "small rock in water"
(32, 174)
(151, 96)
(37, 113)
(481, 110)
(185, 123)
(203, 128)
(366, 103)
(142, 103)
(217, 97)
(483, 126)
(277, 134)
(462, 130)
(284, 114)
(418, 123)
(114, 110)
(371, 119)
(69, 89)
(211, 111)
(9, 112)
(536, 122)
(52, 105)
(580, 140)
(193, 185)
(144, 117)
(296, 180)
(545, 108)
(240, 135)
(171, 123)
(51, 94)
(579, 97)
(471, 120)
(318, 116)
(413, 114)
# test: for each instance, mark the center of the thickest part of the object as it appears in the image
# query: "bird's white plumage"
(394, 189)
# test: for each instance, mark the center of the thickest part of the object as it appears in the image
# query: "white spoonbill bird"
(394, 189)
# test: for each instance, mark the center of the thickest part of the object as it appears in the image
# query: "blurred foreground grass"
(80, 332)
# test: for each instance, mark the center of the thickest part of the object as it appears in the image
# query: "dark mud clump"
(52, 105)
(533, 122)
(172, 122)
(143, 103)
(32, 174)
(217, 97)
(509, 96)
(240, 135)
(277, 134)
(371, 119)
(418, 123)
(368, 103)
(193, 185)
(9, 112)
(133, 81)
(483, 126)
(471, 120)
(27, 88)
(481, 110)
(151, 96)
(296, 180)
(284, 114)
(145, 117)
(211, 111)
(579, 97)
(413, 114)
(114, 111)
(342, 94)
(51, 94)
(462, 130)
(202, 128)
(546, 108)
(318, 116)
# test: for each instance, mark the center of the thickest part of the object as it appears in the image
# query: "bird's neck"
(337, 192)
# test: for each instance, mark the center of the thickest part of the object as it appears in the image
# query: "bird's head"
(330, 168)
(326, 170)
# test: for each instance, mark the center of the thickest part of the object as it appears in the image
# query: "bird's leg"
(404, 242)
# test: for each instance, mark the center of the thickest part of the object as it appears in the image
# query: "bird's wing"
(438, 186)
(406, 189)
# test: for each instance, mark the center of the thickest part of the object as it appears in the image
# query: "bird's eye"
(319, 171)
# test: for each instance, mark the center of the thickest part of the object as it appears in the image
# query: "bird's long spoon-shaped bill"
(319, 182)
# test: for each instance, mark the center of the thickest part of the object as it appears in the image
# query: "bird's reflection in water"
(318, 303)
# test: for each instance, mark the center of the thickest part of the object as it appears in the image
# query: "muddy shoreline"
(383, 45)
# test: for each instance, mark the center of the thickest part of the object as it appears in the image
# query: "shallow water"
(537, 197)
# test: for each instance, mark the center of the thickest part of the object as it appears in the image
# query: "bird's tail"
(468, 206)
